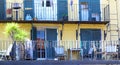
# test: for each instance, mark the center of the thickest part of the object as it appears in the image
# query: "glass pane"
(40, 44)
(84, 11)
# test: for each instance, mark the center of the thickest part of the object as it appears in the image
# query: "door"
(46, 40)
(45, 9)
(51, 37)
(62, 10)
(87, 36)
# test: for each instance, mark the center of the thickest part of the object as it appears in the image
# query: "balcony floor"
(51, 62)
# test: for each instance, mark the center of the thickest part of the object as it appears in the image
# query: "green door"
(51, 37)
(88, 35)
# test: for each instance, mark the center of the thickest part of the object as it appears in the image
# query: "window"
(84, 5)
(95, 17)
(48, 4)
(84, 11)
(40, 44)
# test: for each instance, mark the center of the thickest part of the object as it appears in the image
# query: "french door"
(46, 41)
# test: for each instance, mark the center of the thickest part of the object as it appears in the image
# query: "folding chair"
(5, 55)
(112, 51)
(2, 55)
(59, 53)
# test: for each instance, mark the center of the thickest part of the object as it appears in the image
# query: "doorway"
(90, 40)
(46, 41)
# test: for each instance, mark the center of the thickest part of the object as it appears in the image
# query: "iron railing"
(60, 50)
(68, 12)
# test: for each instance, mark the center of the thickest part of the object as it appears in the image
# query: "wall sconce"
(105, 34)
(76, 34)
(61, 34)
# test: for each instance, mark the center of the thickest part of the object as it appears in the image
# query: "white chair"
(5, 55)
(2, 54)
(59, 53)
(112, 51)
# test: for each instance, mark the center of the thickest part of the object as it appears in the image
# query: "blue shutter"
(33, 33)
(29, 8)
(2, 9)
(85, 36)
(95, 8)
(62, 9)
(34, 38)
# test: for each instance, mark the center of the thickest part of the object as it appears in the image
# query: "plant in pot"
(17, 35)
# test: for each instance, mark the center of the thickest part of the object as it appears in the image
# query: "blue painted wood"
(62, 9)
(51, 35)
(2, 9)
(93, 7)
(34, 38)
(29, 8)
(88, 35)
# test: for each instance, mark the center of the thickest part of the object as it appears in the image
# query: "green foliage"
(13, 31)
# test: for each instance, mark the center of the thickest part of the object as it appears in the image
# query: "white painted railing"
(59, 50)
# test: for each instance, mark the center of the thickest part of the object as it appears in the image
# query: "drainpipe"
(61, 32)
(118, 29)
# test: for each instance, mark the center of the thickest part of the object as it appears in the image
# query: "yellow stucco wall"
(25, 27)
(69, 30)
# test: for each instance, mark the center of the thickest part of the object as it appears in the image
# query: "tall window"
(40, 44)
(84, 11)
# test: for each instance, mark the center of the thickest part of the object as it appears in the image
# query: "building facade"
(113, 28)
(62, 20)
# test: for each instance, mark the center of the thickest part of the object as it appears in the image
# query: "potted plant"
(18, 36)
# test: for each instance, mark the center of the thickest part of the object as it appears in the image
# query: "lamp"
(76, 34)
(105, 34)
(61, 34)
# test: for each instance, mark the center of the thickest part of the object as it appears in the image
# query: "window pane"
(41, 34)
(40, 44)
(48, 3)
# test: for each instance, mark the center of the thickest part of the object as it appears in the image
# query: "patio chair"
(90, 53)
(2, 55)
(59, 53)
(5, 55)
(111, 51)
